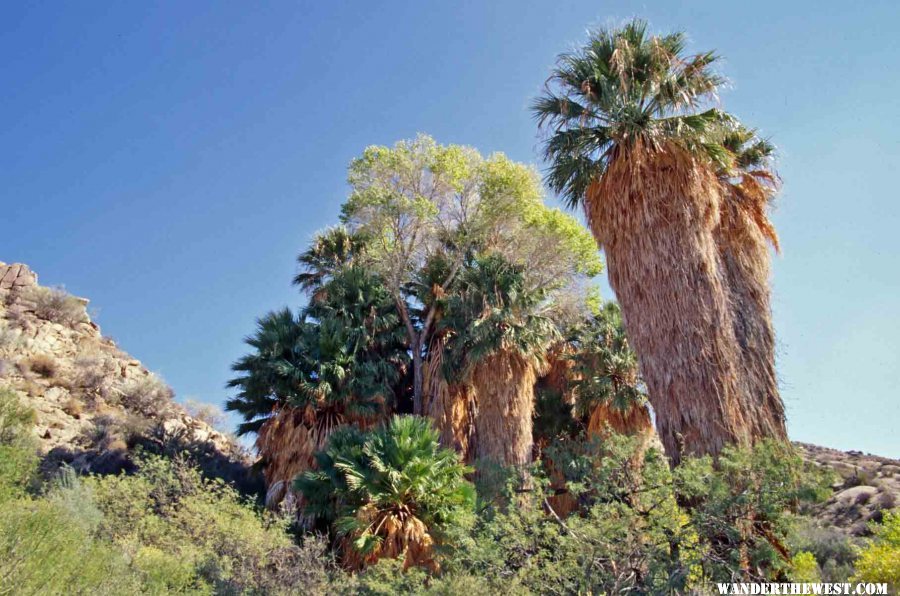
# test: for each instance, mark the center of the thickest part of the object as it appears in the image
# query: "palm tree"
(390, 492)
(630, 142)
(495, 342)
(329, 252)
(608, 391)
(337, 364)
(743, 237)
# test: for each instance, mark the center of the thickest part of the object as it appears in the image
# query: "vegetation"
(454, 409)
(57, 305)
(389, 492)
(629, 140)
(880, 560)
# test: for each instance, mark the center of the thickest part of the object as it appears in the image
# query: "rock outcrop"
(865, 486)
(94, 403)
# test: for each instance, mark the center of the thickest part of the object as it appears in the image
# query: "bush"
(211, 414)
(880, 560)
(833, 550)
(57, 306)
(44, 365)
(201, 530)
(10, 339)
(18, 451)
(147, 395)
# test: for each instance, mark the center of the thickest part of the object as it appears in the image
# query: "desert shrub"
(44, 365)
(879, 561)
(833, 550)
(56, 305)
(73, 407)
(146, 395)
(44, 550)
(804, 568)
(887, 500)
(739, 507)
(219, 542)
(211, 414)
(18, 451)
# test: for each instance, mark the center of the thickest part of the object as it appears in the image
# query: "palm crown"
(396, 476)
(491, 310)
(623, 87)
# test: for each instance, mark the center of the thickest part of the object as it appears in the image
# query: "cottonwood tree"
(419, 201)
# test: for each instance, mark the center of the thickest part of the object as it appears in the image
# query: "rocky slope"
(95, 405)
(865, 486)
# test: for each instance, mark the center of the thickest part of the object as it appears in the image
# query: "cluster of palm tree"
(675, 192)
(451, 292)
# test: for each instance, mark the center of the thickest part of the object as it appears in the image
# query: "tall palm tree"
(743, 238)
(390, 492)
(630, 141)
(496, 338)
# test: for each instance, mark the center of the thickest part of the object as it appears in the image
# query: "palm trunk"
(653, 212)
(504, 385)
(744, 253)
(450, 405)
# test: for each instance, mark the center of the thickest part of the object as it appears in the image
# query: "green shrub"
(43, 550)
(18, 449)
(880, 560)
(204, 526)
(834, 550)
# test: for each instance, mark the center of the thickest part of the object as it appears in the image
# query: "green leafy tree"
(418, 200)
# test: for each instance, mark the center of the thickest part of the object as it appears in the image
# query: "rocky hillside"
(95, 405)
(865, 485)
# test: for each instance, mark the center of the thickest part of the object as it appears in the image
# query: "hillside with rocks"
(95, 405)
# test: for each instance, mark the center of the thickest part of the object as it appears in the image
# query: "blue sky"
(168, 160)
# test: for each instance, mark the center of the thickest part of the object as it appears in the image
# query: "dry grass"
(44, 365)
(211, 414)
(73, 408)
(147, 395)
(654, 212)
(504, 385)
(56, 305)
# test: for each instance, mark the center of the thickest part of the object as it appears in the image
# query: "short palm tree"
(338, 364)
(390, 492)
(743, 237)
(629, 140)
(608, 391)
(496, 341)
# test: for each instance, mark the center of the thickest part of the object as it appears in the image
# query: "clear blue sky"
(168, 160)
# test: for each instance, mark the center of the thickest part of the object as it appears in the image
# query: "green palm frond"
(622, 86)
